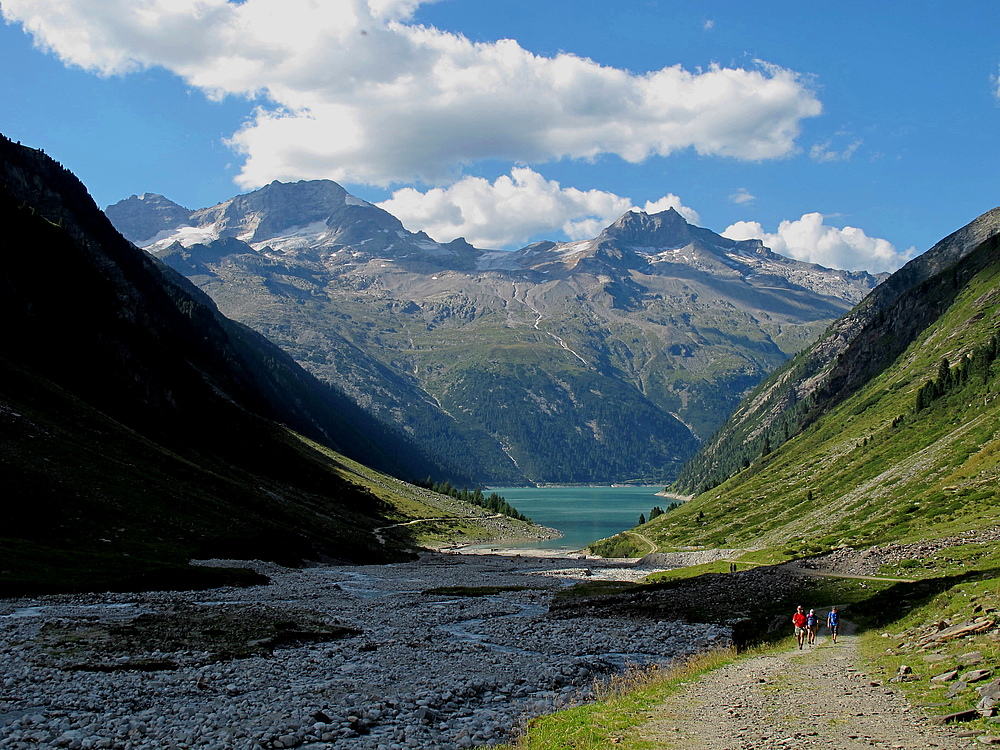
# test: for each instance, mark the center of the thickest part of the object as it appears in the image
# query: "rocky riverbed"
(450, 651)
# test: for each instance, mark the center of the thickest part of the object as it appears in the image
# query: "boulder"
(427, 715)
(990, 688)
(977, 675)
(945, 676)
(957, 688)
(987, 706)
(951, 632)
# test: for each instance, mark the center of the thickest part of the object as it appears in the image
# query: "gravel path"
(815, 697)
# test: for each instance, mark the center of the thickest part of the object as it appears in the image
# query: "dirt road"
(815, 697)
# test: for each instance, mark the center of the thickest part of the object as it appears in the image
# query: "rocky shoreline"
(450, 651)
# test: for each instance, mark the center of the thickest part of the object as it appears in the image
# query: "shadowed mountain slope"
(140, 427)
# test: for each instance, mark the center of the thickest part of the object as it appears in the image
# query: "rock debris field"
(322, 657)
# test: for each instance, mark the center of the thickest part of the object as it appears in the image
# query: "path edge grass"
(624, 703)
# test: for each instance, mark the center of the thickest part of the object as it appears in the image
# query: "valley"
(439, 375)
(192, 451)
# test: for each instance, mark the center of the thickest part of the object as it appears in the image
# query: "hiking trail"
(814, 697)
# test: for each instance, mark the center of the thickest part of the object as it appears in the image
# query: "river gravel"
(425, 671)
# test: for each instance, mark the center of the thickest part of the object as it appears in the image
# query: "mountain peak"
(637, 228)
(278, 206)
(140, 217)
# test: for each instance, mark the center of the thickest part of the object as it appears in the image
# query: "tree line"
(974, 366)
(657, 511)
(494, 502)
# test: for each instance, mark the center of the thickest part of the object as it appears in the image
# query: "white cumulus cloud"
(512, 209)
(670, 201)
(351, 90)
(811, 239)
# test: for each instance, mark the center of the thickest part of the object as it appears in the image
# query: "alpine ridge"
(600, 360)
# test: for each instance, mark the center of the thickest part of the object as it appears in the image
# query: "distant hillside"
(140, 428)
(899, 440)
(856, 348)
(602, 360)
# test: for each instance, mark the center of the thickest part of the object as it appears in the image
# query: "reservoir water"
(582, 514)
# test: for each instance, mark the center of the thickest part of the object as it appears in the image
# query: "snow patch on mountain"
(296, 238)
(497, 260)
(185, 235)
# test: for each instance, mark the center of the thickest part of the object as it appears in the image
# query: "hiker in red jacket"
(799, 621)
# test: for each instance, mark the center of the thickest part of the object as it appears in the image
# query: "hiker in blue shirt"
(833, 622)
(812, 626)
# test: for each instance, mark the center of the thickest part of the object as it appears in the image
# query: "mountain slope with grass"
(856, 348)
(906, 448)
(140, 428)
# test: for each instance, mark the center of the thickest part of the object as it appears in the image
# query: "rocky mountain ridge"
(575, 362)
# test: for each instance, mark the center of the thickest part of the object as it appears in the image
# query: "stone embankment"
(693, 557)
(325, 657)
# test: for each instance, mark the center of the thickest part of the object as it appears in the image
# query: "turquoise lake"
(582, 514)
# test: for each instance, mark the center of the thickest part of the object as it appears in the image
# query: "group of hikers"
(807, 625)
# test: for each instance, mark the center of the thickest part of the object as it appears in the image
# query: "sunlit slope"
(853, 350)
(897, 459)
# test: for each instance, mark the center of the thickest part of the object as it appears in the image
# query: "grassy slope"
(875, 468)
(853, 350)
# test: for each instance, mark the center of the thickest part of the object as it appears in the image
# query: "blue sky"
(851, 134)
